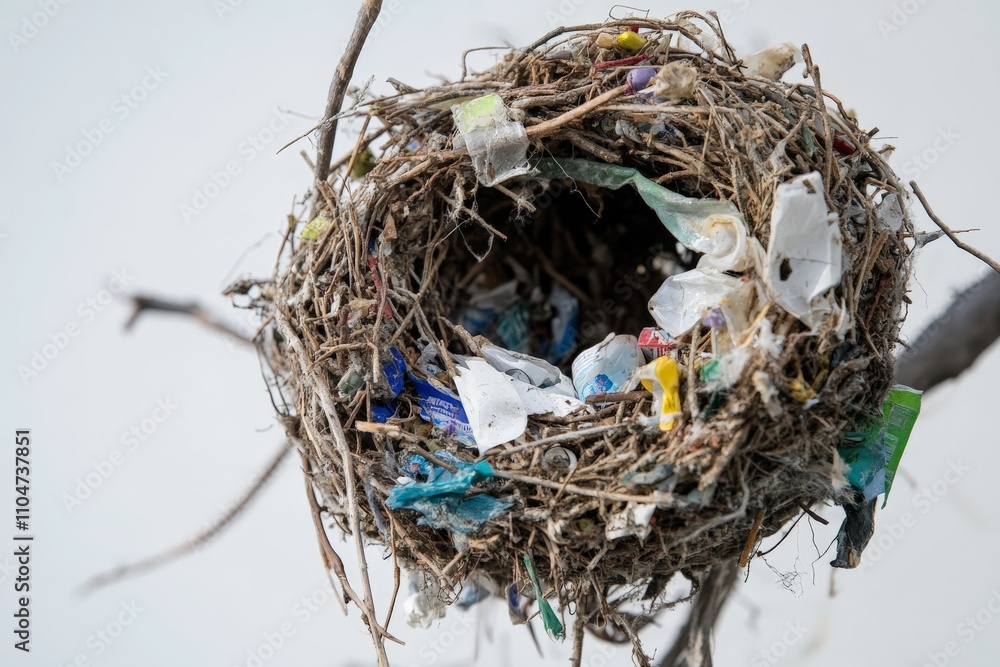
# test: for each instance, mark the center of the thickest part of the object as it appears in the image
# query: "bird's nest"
(404, 236)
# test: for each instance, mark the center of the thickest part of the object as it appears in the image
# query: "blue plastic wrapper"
(441, 499)
(382, 413)
(394, 370)
(443, 409)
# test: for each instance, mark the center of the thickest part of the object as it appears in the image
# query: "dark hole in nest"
(604, 247)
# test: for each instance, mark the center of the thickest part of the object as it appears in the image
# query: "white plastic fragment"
(526, 368)
(538, 401)
(890, 212)
(773, 62)
(683, 299)
(495, 412)
(497, 145)
(422, 609)
(633, 520)
(728, 247)
(805, 251)
(764, 385)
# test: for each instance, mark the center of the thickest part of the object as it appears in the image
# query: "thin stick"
(142, 304)
(950, 233)
(751, 538)
(551, 126)
(562, 437)
(189, 545)
(338, 87)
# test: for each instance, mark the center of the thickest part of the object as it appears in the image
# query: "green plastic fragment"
(807, 140)
(479, 112)
(684, 217)
(873, 455)
(711, 371)
(552, 624)
(312, 230)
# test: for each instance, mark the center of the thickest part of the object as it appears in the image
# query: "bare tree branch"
(952, 343)
(142, 304)
(338, 87)
(693, 646)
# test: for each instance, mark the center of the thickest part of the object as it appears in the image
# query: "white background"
(228, 70)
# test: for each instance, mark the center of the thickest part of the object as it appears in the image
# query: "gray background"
(918, 70)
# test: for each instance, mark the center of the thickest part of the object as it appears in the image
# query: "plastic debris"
(684, 217)
(422, 608)
(764, 385)
(773, 62)
(492, 406)
(606, 367)
(659, 473)
(559, 459)
(351, 382)
(487, 305)
(638, 78)
(532, 370)
(441, 499)
(683, 299)
(552, 624)
(724, 371)
(675, 82)
(729, 246)
(713, 319)
(633, 520)
(394, 370)
(855, 533)
(382, 413)
(441, 407)
(805, 252)
(565, 320)
(873, 456)
(655, 343)
(890, 212)
(630, 41)
(662, 377)
(605, 41)
(314, 228)
(497, 146)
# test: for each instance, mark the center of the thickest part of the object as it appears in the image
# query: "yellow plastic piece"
(630, 41)
(662, 377)
(312, 230)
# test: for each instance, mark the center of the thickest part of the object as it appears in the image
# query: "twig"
(562, 437)
(338, 87)
(751, 539)
(550, 126)
(142, 304)
(983, 257)
(189, 545)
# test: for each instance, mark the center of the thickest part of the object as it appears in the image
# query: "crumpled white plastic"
(728, 246)
(805, 251)
(493, 407)
(772, 62)
(683, 299)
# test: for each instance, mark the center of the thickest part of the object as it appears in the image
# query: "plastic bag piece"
(494, 410)
(684, 217)
(663, 378)
(873, 456)
(855, 533)
(633, 520)
(441, 499)
(394, 370)
(498, 146)
(553, 626)
(683, 299)
(805, 251)
(655, 343)
(606, 367)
